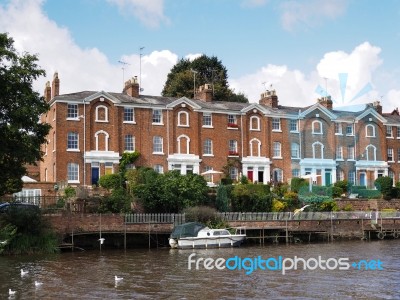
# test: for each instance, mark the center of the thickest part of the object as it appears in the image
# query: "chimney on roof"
(204, 93)
(47, 92)
(326, 102)
(55, 85)
(378, 107)
(131, 87)
(396, 111)
(269, 98)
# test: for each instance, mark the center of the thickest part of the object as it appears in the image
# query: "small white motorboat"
(196, 235)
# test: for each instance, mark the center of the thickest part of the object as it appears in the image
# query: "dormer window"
(101, 113)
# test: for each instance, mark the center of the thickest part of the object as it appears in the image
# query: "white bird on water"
(118, 278)
(37, 283)
(4, 242)
(11, 292)
(23, 273)
(101, 240)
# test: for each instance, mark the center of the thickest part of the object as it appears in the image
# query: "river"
(164, 274)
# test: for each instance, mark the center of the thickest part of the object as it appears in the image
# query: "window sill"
(351, 159)
(370, 136)
(317, 133)
(277, 157)
(157, 124)
(391, 161)
(349, 134)
(72, 119)
(251, 129)
(294, 131)
(129, 151)
(73, 181)
(187, 126)
(129, 122)
(73, 150)
(233, 155)
(276, 130)
(390, 137)
(295, 157)
(208, 126)
(339, 159)
(101, 121)
(208, 155)
(232, 128)
(158, 153)
(338, 133)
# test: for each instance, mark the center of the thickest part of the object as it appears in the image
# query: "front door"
(260, 176)
(95, 175)
(327, 178)
(363, 181)
(250, 175)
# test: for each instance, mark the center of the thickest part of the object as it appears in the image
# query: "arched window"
(370, 152)
(183, 119)
(295, 150)
(254, 123)
(317, 127)
(207, 149)
(318, 150)
(101, 113)
(101, 140)
(255, 147)
(370, 130)
(183, 144)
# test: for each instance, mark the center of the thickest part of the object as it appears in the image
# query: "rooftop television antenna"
(140, 68)
(124, 64)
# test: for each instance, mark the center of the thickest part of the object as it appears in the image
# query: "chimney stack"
(269, 98)
(47, 92)
(132, 87)
(55, 86)
(326, 102)
(378, 107)
(204, 93)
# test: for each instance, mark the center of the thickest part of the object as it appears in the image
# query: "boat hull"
(207, 242)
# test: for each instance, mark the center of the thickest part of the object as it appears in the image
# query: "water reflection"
(163, 273)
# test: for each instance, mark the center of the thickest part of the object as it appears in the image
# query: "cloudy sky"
(301, 48)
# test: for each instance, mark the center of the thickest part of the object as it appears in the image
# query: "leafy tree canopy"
(180, 80)
(20, 109)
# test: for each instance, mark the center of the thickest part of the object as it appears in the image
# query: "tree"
(384, 184)
(180, 80)
(20, 109)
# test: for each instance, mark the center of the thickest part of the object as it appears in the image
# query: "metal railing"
(264, 216)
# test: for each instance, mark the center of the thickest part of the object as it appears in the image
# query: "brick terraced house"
(268, 141)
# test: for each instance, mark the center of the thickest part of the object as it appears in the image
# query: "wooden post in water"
(100, 240)
(287, 234)
(125, 237)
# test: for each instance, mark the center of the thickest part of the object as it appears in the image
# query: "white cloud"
(192, 57)
(392, 100)
(150, 13)
(310, 13)
(79, 69)
(254, 3)
(295, 88)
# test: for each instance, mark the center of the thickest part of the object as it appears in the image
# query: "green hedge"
(370, 194)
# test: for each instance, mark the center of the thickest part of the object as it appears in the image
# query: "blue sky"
(294, 45)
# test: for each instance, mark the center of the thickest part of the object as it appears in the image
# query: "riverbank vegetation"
(25, 231)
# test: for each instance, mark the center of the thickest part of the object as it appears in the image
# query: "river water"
(164, 274)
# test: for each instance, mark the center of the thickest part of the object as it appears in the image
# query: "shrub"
(348, 207)
(222, 198)
(344, 185)
(118, 202)
(370, 194)
(110, 181)
(296, 183)
(278, 205)
(328, 206)
(206, 215)
(291, 199)
(385, 185)
(251, 197)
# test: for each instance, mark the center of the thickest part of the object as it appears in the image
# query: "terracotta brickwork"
(269, 141)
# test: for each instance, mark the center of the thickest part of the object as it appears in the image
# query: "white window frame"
(390, 155)
(367, 152)
(277, 150)
(352, 130)
(233, 173)
(157, 117)
(208, 147)
(187, 119)
(105, 113)
(254, 140)
(232, 121)
(179, 140)
(129, 115)
(338, 129)
(295, 173)
(339, 153)
(233, 148)
(106, 138)
(398, 132)
(159, 168)
(294, 150)
(257, 123)
(389, 131)
(373, 130)
(207, 118)
(276, 124)
(129, 140)
(71, 106)
(350, 153)
(296, 125)
(157, 144)
(314, 131)
(280, 174)
(73, 172)
(73, 138)
(351, 177)
(314, 145)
